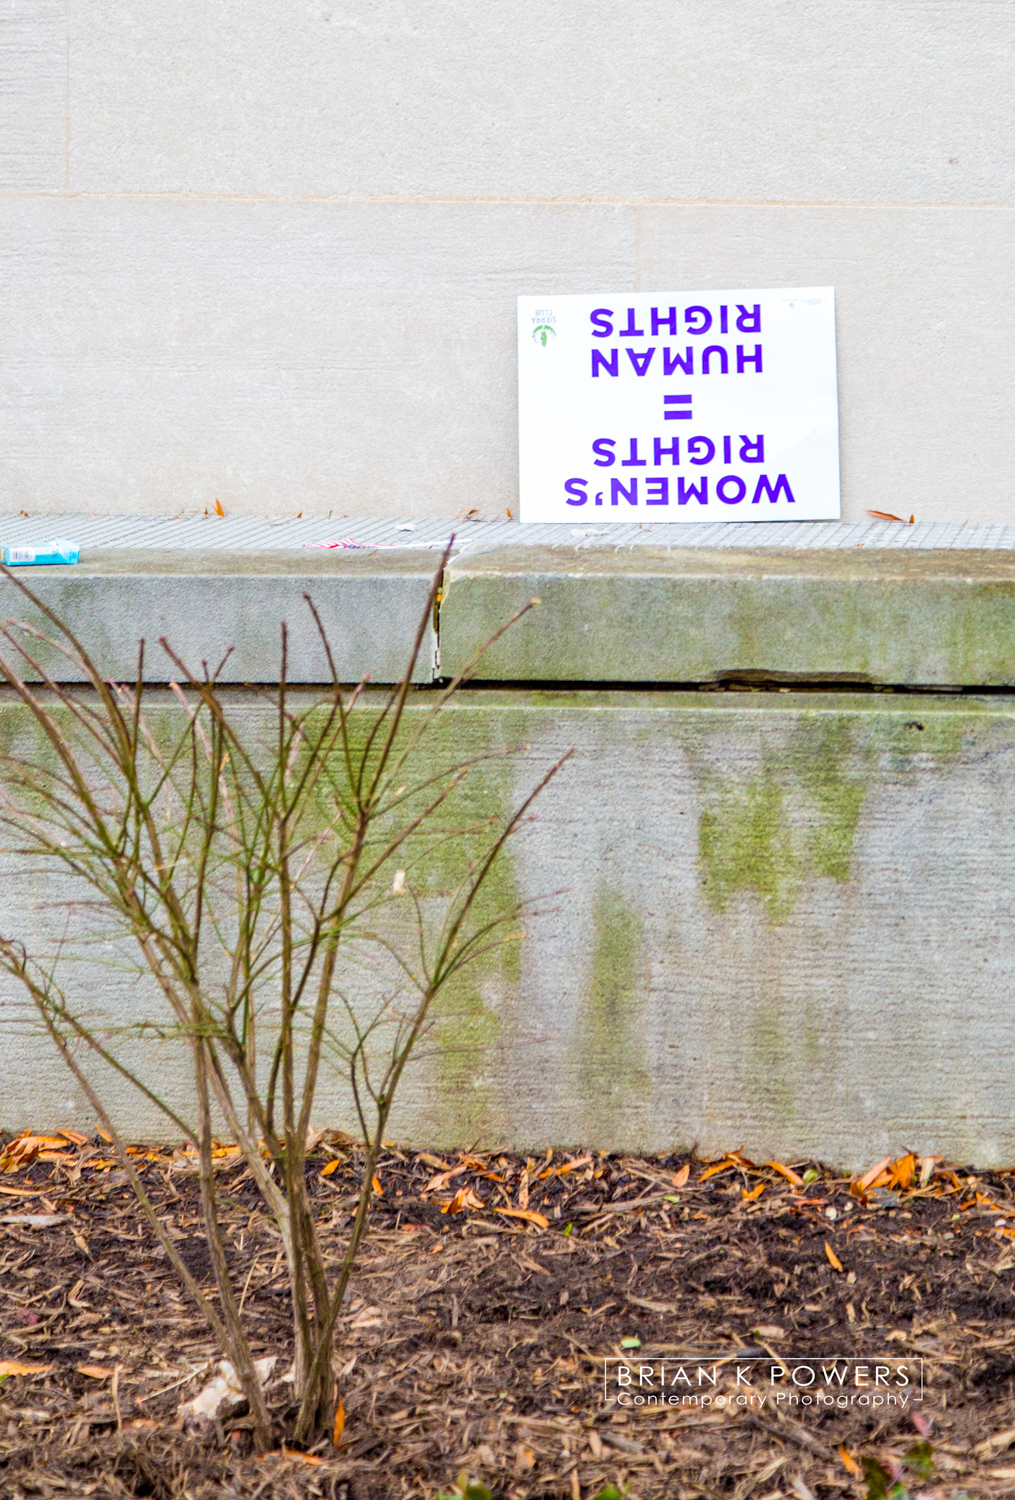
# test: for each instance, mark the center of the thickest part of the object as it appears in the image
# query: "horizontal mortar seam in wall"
(808, 686)
(437, 201)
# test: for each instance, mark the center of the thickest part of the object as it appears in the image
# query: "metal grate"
(258, 534)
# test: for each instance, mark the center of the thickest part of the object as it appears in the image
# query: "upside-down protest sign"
(683, 406)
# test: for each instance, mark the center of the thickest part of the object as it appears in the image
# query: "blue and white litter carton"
(59, 550)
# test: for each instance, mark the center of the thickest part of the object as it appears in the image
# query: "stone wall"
(269, 253)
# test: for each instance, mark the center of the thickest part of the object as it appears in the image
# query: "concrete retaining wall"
(781, 918)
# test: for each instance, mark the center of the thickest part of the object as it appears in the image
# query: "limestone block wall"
(269, 253)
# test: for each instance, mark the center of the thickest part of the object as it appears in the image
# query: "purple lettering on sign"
(641, 361)
(702, 445)
(749, 359)
(630, 332)
(698, 319)
(617, 489)
(604, 447)
(724, 360)
(765, 488)
(599, 361)
(752, 452)
(575, 489)
(657, 492)
(659, 448)
(687, 491)
(722, 489)
(678, 361)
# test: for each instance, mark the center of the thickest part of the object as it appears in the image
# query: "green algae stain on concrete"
(792, 822)
(469, 1012)
(821, 766)
(746, 844)
(613, 1078)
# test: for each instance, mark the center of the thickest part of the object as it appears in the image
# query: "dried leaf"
(869, 1177)
(926, 1165)
(339, 1422)
(443, 1179)
(95, 1372)
(722, 1166)
(886, 515)
(849, 1463)
(74, 1136)
(680, 1178)
(332, 1166)
(833, 1259)
(464, 1198)
(792, 1177)
(902, 1171)
(18, 1367)
(756, 1192)
(375, 1183)
(525, 1213)
(303, 1458)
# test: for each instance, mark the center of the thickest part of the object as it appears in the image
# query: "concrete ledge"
(205, 602)
(913, 618)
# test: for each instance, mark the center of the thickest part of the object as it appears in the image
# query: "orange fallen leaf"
(375, 1183)
(755, 1192)
(525, 1213)
(105, 1136)
(74, 1136)
(303, 1458)
(568, 1166)
(721, 1166)
(787, 1172)
(17, 1367)
(680, 1178)
(339, 1422)
(96, 1372)
(869, 1178)
(849, 1463)
(218, 508)
(464, 1198)
(902, 1171)
(833, 1259)
(332, 1166)
(885, 515)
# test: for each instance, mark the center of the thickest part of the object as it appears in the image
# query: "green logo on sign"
(543, 333)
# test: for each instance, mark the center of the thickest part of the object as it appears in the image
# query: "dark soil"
(474, 1339)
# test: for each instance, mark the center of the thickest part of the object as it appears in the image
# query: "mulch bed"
(473, 1339)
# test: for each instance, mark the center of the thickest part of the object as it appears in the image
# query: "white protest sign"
(679, 406)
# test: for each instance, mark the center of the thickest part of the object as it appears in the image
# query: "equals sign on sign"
(671, 415)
